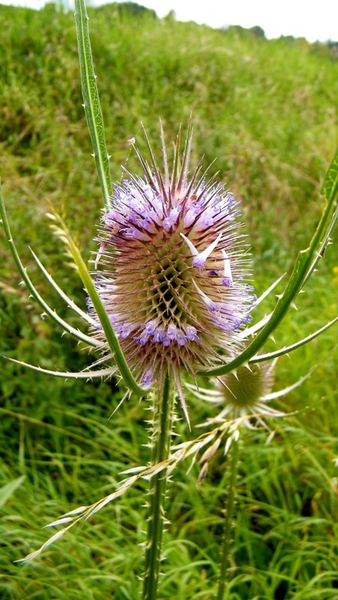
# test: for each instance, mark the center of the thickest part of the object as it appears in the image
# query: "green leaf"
(108, 372)
(7, 490)
(295, 346)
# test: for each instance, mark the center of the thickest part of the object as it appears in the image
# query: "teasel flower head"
(173, 268)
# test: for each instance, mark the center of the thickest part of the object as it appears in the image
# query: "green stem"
(91, 101)
(229, 505)
(163, 411)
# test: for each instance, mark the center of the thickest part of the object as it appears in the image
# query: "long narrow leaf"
(7, 490)
(91, 100)
(108, 372)
(288, 349)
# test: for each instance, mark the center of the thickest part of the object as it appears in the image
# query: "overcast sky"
(313, 19)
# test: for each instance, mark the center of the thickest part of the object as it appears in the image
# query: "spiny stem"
(163, 412)
(91, 101)
(229, 505)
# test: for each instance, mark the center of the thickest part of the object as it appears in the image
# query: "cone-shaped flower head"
(172, 268)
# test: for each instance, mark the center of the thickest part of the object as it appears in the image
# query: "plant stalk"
(163, 413)
(91, 100)
(229, 505)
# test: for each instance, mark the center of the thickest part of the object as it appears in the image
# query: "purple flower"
(173, 268)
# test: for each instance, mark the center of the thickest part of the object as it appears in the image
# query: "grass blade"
(7, 490)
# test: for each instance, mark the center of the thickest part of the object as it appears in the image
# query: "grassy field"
(268, 111)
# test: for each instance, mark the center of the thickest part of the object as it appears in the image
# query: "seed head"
(173, 268)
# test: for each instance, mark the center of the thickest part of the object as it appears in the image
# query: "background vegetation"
(268, 111)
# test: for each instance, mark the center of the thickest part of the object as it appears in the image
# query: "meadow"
(267, 110)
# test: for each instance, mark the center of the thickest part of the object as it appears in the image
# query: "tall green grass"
(268, 111)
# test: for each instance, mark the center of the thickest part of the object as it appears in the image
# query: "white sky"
(313, 19)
